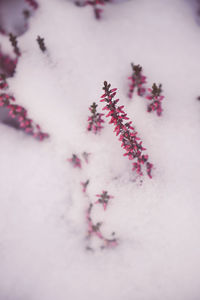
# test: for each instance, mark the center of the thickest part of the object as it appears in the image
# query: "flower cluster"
(7, 64)
(137, 81)
(103, 199)
(19, 113)
(75, 161)
(156, 98)
(95, 120)
(130, 142)
(95, 230)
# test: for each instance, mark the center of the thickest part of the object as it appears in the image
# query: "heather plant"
(14, 43)
(41, 44)
(103, 199)
(137, 81)
(95, 230)
(156, 98)
(75, 161)
(19, 113)
(130, 141)
(95, 121)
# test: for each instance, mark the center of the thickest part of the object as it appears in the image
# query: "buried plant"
(19, 113)
(103, 199)
(95, 230)
(130, 142)
(75, 161)
(95, 120)
(156, 98)
(137, 81)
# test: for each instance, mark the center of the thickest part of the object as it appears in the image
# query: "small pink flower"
(75, 161)
(103, 199)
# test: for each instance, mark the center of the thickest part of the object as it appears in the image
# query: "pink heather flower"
(32, 3)
(94, 230)
(137, 81)
(85, 185)
(103, 199)
(156, 98)
(95, 120)
(75, 161)
(19, 113)
(130, 142)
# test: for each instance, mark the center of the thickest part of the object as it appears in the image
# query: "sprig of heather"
(137, 81)
(14, 43)
(85, 185)
(41, 43)
(19, 113)
(103, 199)
(130, 141)
(86, 156)
(75, 161)
(95, 121)
(95, 230)
(156, 98)
(32, 3)
(7, 64)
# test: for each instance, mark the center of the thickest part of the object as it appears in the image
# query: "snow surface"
(42, 217)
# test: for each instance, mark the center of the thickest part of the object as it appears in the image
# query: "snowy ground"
(43, 226)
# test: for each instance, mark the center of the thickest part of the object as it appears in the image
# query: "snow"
(43, 209)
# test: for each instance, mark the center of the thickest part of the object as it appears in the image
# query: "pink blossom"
(103, 199)
(75, 161)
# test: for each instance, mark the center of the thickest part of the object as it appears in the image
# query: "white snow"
(42, 208)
